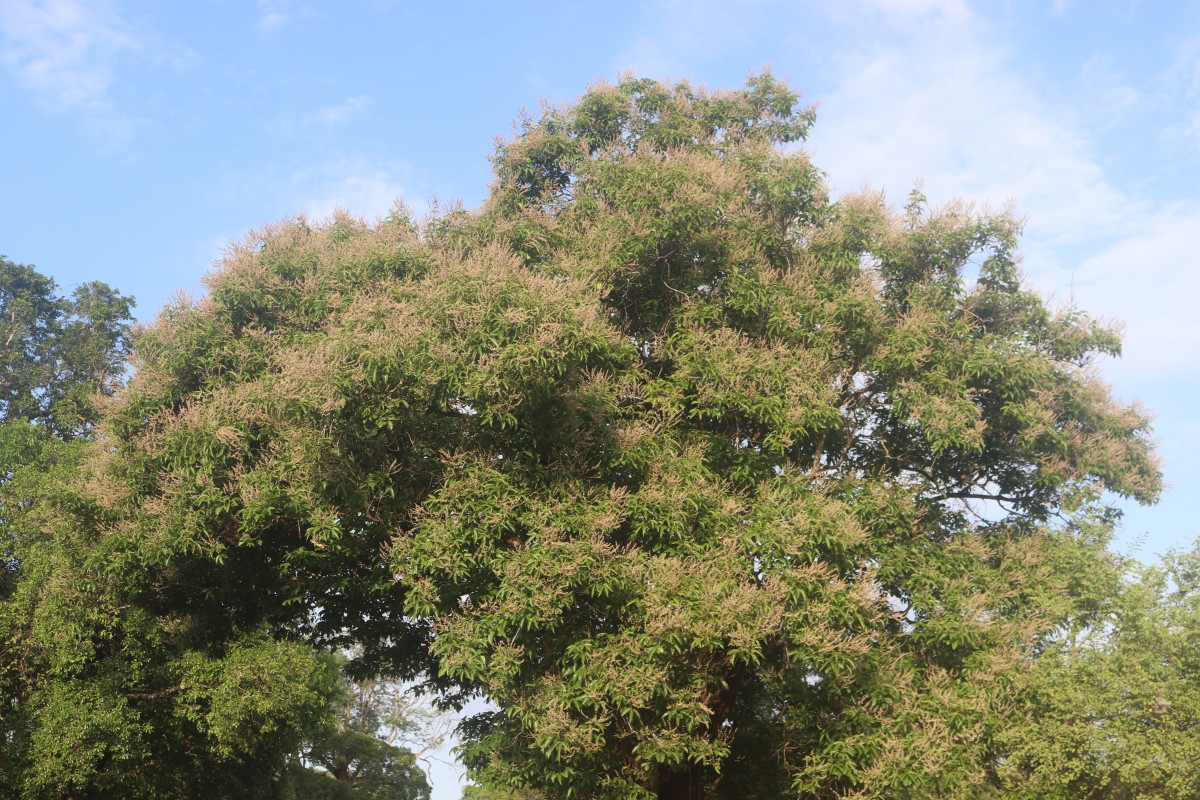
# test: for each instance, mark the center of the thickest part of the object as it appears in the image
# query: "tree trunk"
(678, 786)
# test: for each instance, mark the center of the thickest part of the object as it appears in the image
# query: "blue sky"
(137, 137)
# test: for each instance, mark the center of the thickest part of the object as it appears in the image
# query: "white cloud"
(273, 15)
(683, 30)
(354, 183)
(365, 190)
(65, 50)
(272, 21)
(1151, 279)
(956, 9)
(1104, 94)
(1183, 76)
(1178, 92)
(1183, 135)
(343, 112)
(69, 55)
(938, 102)
(942, 102)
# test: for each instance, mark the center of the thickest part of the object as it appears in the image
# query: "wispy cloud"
(355, 185)
(363, 186)
(1179, 90)
(274, 15)
(684, 30)
(343, 112)
(319, 122)
(1149, 277)
(955, 9)
(1183, 76)
(1106, 97)
(942, 101)
(74, 56)
(1183, 135)
(65, 50)
(937, 101)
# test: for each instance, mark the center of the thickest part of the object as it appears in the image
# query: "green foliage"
(57, 354)
(98, 696)
(475, 792)
(102, 698)
(359, 758)
(1115, 703)
(713, 486)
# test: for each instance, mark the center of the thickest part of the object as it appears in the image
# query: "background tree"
(1115, 703)
(363, 755)
(58, 353)
(713, 486)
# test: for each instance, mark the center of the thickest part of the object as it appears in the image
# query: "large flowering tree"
(712, 485)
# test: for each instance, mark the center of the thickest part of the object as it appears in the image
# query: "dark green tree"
(714, 486)
(361, 757)
(58, 354)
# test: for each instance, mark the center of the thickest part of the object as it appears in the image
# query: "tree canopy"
(713, 485)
